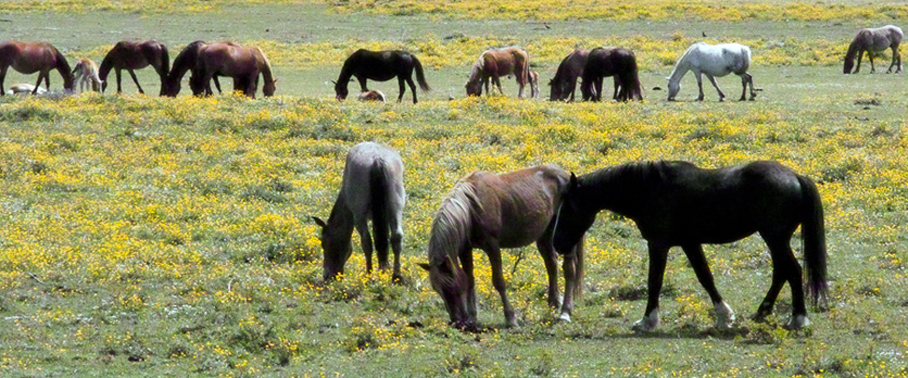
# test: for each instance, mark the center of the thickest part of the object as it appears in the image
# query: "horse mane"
(65, 71)
(184, 60)
(683, 58)
(854, 47)
(266, 65)
(165, 62)
(105, 67)
(452, 223)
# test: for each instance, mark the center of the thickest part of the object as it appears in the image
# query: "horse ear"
(319, 222)
(425, 266)
(574, 182)
(333, 82)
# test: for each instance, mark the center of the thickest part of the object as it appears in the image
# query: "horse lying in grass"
(494, 63)
(373, 95)
(874, 40)
(381, 66)
(25, 89)
(492, 212)
(678, 204)
(713, 61)
(132, 56)
(86, 73)
(372, 188)
(31, 57)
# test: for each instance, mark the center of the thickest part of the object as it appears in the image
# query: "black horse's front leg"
(658, 254)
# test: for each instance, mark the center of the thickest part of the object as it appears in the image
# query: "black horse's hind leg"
(697, 259)
(786, 266)
(135, 80)
(403, 89)
(658, 254)
(362, 83)
(412, 87)
(547, 252)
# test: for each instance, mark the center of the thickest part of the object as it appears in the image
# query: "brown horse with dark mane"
(28, 58)
(381, 66)
(184, 62)
(494, 63)
(874, 40)
(492, 212)
(618, 62)
(243, 64)
(131, 56)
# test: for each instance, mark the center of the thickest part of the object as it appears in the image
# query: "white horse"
(712, 60)
(372, 188)
(25, 89)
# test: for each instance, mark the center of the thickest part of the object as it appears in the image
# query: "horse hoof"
(798, 322)
(564, 317)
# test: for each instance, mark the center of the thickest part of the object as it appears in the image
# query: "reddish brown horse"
(243, 64)
(873, 40)
(184, 62)
(494, 63)
(29, 58)
(131, 56)
(618, 62)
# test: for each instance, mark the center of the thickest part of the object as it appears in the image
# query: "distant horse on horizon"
(612, 61)
(874, 40)
(381, 66)
(31, 57)
(129, 56)
(713, 61)
(243, 64)
(494, 63)
(675, 203)
(491, 212)
(86, 73)
(184, 62)
(372, 188)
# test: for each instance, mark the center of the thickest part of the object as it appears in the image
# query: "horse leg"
(466, 262)
(400, 95)
(119, 89)
(497, 81)
(598, 95)
(38, 84)
(547, 251)
(135, 80)
(569, 266)
(716, 85)
(365, 239)
(786, 266)
(724, 314)
(870, 57)
(617, 83)
(753, 93)
(658, 254)
(494, 253)
(412, 88)
(895, 57)
(860, 56)
(699, 77)
(397, 237)
(2, 79)
(217, 84)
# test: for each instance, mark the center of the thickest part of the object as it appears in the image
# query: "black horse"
(381, 66)
(678, 204)
(618, 62)
(185, 61)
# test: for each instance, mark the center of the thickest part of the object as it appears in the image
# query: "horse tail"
(813, 234)
(579, 271)
(378, 199)
(420, 77)
(630, 80)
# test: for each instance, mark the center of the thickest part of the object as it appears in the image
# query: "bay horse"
(675, 203)
(612, 61)
(565, 80)
(243, 64)
(494, 63)
(86, 73)
(184, 62)
(873, 40)
(381, 66)
(491, 212)
(129, 56)
(713, 61)
(31, 57)
(372, 188)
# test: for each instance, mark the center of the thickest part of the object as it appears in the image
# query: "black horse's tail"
(630, 81)
(420, 77)
(378, 198)
(813, 234)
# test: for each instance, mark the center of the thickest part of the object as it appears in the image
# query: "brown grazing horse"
(243, 64)
(372, 188)
(492, 212)
(29, 58)
(184, 62)
(618, 62)
(131, 56)
(873, 40)
(494, 63)
(565, 80)
(380, 66)
(86, 73)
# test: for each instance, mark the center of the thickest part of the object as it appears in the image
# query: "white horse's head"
(673, 88)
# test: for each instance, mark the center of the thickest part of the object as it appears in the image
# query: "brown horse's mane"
(452, 223)
(854, 47)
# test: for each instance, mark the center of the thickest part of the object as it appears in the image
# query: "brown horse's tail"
(813, 234)
(579, 272)
(420, 77)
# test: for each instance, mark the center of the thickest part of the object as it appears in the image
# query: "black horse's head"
(340, 90)
(573, 218)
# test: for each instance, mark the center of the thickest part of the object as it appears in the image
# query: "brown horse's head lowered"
(28, 58)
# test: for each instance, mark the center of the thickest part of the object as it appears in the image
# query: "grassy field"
(171, 237)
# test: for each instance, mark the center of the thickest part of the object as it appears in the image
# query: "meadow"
(172, 237)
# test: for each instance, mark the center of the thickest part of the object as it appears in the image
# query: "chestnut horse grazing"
(86, 73)
(28, 58)
(679, 204)
(873, 40)
(492, 212)
(713, 61)
(184, 62)
(613, 61)
(372, 188)
(494, 63)
(131, 56)
(243, 64)
(381, 66)
(373, 95)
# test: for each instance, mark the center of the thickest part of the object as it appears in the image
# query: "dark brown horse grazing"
(564, 83)
(678, 204)
(29, 58)
(618, 62)
(133, 56)
(184, 62)
(243, 64)
(873, 40)
(381, 66)
(492, 212)
(494, 63)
